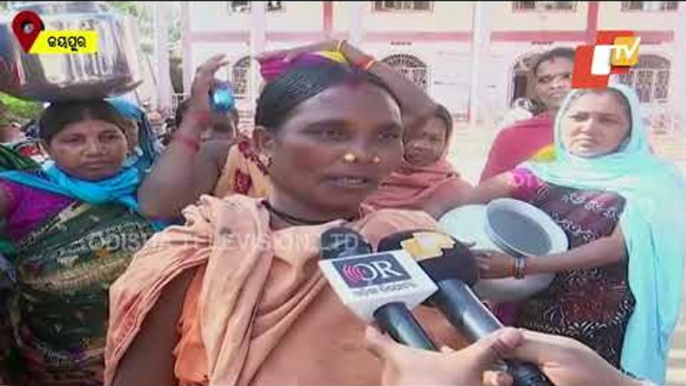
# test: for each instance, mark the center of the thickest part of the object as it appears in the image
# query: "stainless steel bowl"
(113, 70)
(471, 223)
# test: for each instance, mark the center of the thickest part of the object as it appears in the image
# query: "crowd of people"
(127, 262)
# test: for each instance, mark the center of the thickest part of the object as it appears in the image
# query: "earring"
(376, 159)
(266, 160)
(349, 158)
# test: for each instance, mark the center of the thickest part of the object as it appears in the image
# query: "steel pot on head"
(114, 70)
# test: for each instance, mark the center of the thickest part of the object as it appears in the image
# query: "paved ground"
(676, 372)
(468, 153)
(470, 147)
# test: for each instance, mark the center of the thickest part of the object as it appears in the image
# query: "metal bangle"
(520, 267)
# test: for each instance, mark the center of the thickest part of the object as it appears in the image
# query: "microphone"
(377, 286)
(453, 268)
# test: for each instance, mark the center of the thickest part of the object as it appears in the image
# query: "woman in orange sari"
(425, 174)
(189, 169)
(235, 296)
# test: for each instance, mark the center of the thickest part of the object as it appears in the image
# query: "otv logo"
(371, 270)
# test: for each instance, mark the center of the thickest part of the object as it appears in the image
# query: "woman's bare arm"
(603, 251)
(448, 199)
(181, 175)
(149, 360)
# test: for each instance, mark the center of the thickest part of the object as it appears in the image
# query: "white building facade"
(470, 56)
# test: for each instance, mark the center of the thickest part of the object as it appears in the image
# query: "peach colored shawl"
(410, 187)
(417, 187)
(257, 286)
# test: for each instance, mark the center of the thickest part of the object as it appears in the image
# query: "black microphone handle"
(396, 319)
(465, 311)
(526, 374)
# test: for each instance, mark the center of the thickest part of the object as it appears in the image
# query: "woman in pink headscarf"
(425, 179)
(425, 176)
(189, 168)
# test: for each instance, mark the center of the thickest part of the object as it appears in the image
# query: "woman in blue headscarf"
(147, 147)
(71, 228)
(618, 289)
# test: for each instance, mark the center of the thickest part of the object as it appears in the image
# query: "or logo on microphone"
(353, 273)
(427, 245)
(29, 29)
(371, 270)
(366, 281)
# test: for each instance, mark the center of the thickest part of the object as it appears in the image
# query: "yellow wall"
(444, 17)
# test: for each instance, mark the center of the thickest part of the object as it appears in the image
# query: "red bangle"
(366, 63)
(201, 117)
(189, 141)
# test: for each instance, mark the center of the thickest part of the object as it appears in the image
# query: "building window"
(239, 6)
(410, 66)
(244, 6)
(543, 6)
(649, 78)
(240, 77)
(649, 6)
(402, 6)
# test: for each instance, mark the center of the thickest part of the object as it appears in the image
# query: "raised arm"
(416, 105)
(186, 169)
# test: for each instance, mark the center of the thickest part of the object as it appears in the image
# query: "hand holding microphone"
(452, 267)
(469, 366)
(377, 286)
(564, 360)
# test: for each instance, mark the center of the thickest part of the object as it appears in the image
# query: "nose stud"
(349, 158)
(352, 158)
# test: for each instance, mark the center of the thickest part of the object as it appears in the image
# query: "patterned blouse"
(590, 305)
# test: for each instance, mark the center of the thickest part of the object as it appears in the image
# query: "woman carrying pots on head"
(72, 228)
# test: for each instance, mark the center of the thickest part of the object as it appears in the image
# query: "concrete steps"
(676, 366)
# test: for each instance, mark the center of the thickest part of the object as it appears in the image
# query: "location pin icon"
(27, 25)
